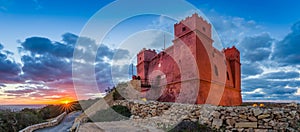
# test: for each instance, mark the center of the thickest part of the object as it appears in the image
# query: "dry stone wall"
(238, 118)
(51, 123)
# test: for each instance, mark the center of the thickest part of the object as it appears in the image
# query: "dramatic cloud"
(232, 29)
(104, 51)
(251, 69)
(287, 50)
(270, 68)
(1, 46)
(2, 85)
(120, 54)
(69, 38)
(46, 68)
(294, 84)
(105, 71)
(256, 48)
(282, 75)
(48, 60)
(51, 62)
(38, 45)
(18, 92)
(9, 69)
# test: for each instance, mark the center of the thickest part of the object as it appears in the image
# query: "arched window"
(183, 29)
(216, 70)
(227, 75)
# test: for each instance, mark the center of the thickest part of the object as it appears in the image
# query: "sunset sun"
(65, 102)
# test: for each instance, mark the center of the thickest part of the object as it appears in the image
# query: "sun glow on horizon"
(66, 102)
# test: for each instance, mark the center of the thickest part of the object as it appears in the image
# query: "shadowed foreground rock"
(162, 116)
(116, 126)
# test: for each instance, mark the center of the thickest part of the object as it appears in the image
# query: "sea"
(16, 108)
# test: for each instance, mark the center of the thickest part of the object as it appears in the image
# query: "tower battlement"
(193, 23)
(194, 16)
(232, 53)
(148, 50)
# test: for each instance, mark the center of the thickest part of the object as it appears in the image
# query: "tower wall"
(232, 95)
(233, 55)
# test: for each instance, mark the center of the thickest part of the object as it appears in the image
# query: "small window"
(183, 29)
(227, 75)
(203, 28)
(216, 70)
(140, 58)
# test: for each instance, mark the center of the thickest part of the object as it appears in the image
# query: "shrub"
(117, 95)
(189, 126)
(14, 121)
(50, 111)
(115, 113)
(123, 110)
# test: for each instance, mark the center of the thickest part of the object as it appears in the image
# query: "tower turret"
(143, 59)
(233, 55)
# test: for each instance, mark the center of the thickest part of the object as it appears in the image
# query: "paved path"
(64, 126)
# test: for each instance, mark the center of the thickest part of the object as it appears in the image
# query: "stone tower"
(192, 70)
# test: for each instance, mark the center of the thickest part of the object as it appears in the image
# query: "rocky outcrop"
(238, 118)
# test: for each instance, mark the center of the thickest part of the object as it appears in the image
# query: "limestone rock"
(260, 130)
(263, 116)
(257, 112)
(243, 116)
(246, 125)
(230, 122)
(216, 114)
(217, 123)
(266, 120)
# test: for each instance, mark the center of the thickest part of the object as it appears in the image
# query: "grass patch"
(115, 113)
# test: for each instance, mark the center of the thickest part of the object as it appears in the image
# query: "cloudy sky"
(38, 38)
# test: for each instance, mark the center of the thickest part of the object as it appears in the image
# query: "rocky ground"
(158, 116)
(167, 115)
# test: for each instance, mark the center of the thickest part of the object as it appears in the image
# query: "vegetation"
(15, 121)
(116, 91)
(120, 91)
(117, 95)
(85, 104)
(189, 126)
(51, 111)
(115, 113)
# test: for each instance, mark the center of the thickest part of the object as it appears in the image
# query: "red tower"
(192, 61)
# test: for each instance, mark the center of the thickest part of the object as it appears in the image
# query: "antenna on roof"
(132, 69)
(164, 41)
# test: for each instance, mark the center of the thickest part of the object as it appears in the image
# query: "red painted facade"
(191, 70)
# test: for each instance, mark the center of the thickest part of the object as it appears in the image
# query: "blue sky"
(266, 33)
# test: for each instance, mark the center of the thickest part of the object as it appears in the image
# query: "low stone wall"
(81, 119)
(238, 118)
(54, 122)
